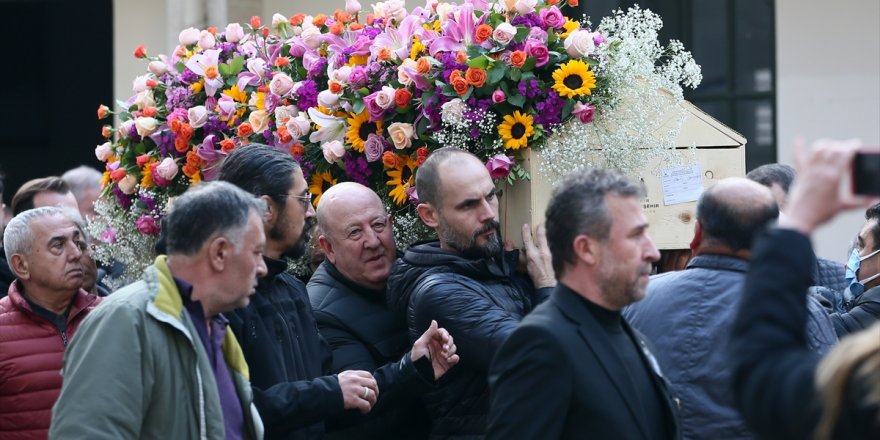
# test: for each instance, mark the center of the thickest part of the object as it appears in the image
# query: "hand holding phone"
(866, 171)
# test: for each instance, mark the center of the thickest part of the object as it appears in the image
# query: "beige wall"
(828, 85)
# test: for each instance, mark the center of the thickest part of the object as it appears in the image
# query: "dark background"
(57, 69)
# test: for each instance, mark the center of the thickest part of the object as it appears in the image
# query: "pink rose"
(299, 126)
(401, 134)
(198, 116)
(504, 33)
(104, 151)
(584, 112)
(525, 6)
(226, 106)
(234, 32)
(375, 110)
(207, 40)
(167, 169)
(333, 151)
(147, 225)
(128, 184)
(259, 120)
(538, 51)
(311, 37)
(499, 166)
(374, 147)
(328, 99)
(257, 66)
(281, 85)
(552, 17)
(109, 236)
(579, 43)
(157, 68)
(498, 96)
(599, 39)
(188, 36)
(385, 97)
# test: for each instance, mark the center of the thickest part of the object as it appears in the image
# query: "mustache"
(492, 225)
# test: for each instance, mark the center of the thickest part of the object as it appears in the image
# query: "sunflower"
(516, 130)
(320, 182)
(359, 127)
(574, 78)
(402, 179)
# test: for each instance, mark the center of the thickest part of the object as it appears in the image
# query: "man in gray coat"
(156, 361)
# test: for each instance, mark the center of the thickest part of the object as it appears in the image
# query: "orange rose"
(551, 2)
(103, 111)
(117, 174)
(245, 130)
(517, 58)
(149, 111)
(212, 30)
(572, 2)
(211, 72)
(297, 149)
(423, 66)
(283, 135)
(107, 131)
(142, 159)
(319, 20)
(152, 83)
(391, 160)
(460, 85)
(383, 55)
(140, 52)
(402, 97)
(186, 131)
(422, 155)
(175, 125)
(356, 26)
(475, 76)
(342, 16)
(282, 61)
(297, 19)
(483, 32)
(335, 87)
(370, 19)
(181, 144)
(227, 145)
(337, 28)
(461, 57)
(256, 22)
(265, 32)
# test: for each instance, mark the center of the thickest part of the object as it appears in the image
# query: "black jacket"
(863, 312)
(364, 335)
(287, 358)
(480, 302)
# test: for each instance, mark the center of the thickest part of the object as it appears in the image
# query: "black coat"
(365, 335)
(558, 377)
(479, 302)
(287, 358)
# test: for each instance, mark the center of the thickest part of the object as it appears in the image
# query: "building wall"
(828, 85)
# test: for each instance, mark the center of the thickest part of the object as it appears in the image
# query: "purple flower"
(413, 196)
(308, 94)
(499, 166)
(375, 110)
(318, 67)
(584, 112)
(552, 18)
(109, 236)
(528, 20)
(358, 77)
(598, 39)
(549, 111)
(189, 77)
(177, 97)
(357, 168)
(538, 51)
(123, 198)
(147, 225)
(374, 147)
(537, 34)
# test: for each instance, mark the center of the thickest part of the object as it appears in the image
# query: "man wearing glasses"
(287, 358)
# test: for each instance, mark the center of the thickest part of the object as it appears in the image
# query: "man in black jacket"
(348, 296)
(467, 282)
(575, 368)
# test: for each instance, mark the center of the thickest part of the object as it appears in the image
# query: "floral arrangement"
(368, 97)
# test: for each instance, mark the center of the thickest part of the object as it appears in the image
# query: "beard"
(280, 231)
(623, 287)
(467, 247)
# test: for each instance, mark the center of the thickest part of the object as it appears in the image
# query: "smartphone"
(866, 171)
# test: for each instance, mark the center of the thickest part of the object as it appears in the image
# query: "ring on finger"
(366, 392)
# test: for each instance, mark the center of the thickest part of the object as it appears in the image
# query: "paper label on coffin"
(719, 153)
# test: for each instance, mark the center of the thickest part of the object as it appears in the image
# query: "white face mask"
(857, 287)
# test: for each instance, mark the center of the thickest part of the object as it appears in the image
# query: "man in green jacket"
(157, 361)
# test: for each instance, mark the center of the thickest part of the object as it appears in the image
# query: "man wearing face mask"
(862, 295)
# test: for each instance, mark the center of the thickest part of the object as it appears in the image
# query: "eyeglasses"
(306, 200)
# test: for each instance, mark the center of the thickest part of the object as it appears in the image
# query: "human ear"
(586, 249)
(428, 215)
(20, 267)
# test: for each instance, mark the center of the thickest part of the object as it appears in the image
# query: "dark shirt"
(648, 398)
(233, 418)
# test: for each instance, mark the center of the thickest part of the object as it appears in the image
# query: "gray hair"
(577, 207)
(82, 179)
(206, 211)
(18, 237)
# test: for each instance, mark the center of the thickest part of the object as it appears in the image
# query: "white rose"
(395, 9)
(579, 43)
(385, 97)
(333, 151)
(128, 184)
(125, 129)
(443, 11)
(257, 66)
(311, 37)
(234, 32)
(401, 134)
(139, 84)
(278, 19)
(207, 40)
(259, 120)
(352, 6)
(188, 36)
(282, 112)
(197, 116)
(525, 6)
(328, 99)
(144, 99)
(452, 111)
(104, 151)
(299, 126)
(167, 169)
(281, 85)
(402, 75)
(341, 74)
(157, 68)
(504, 33)
(146, 126)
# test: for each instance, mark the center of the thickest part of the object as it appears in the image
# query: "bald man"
(347, 293)
(688, 315)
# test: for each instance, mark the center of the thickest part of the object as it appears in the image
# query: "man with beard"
(575, 367)
(467, 282)
(289, 362)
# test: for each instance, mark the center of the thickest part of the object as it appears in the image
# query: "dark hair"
(771, 173)
(24, 197)
(577, 207)
(873, 213)
(205, 211)
(733, 225)
(428, 175)
(260, 170)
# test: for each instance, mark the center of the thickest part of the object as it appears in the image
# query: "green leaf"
(467, 94)
(517, 100)
(529, 64)
(422, 126)
(180, 66)
(567, 108)
(475, 51)
(448, 90)
(357, 107)
(515, 74)
(236, 65)
(496, 73)
(225, 70)
(590, 61)
(482, 62)
(521, 33)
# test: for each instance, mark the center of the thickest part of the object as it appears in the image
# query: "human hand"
(437, 344)
(816, 196)
(537, 258)
(359, 390)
